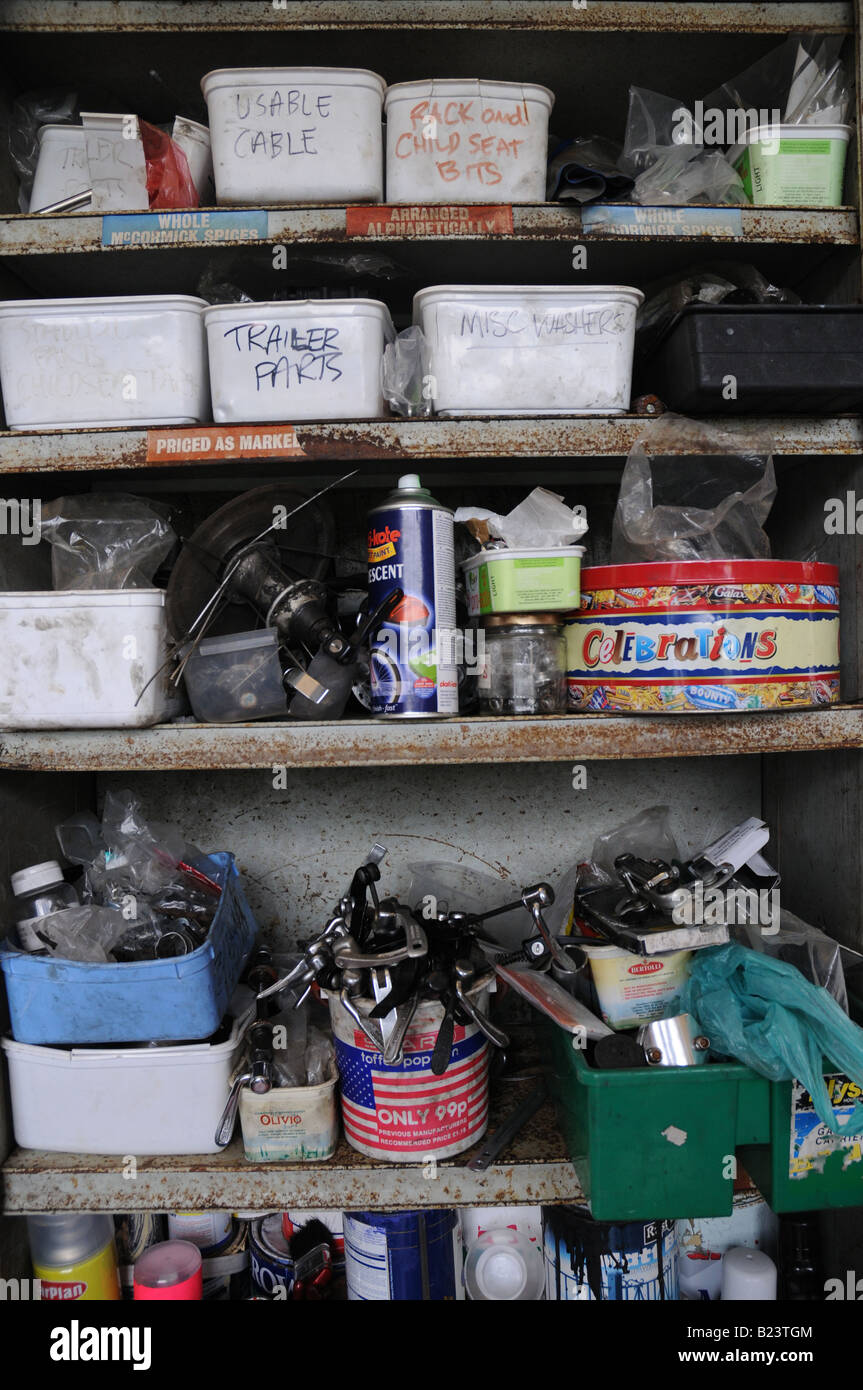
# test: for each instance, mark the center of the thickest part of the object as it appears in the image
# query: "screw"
(701, 1043)
(653, 1055)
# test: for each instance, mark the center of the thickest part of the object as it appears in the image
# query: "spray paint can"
(413, 662)
(403, 1255)
(589, 1260)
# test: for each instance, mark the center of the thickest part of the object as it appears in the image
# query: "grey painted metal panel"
(298, 846)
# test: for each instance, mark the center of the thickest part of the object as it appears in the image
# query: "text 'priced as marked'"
(219, 444)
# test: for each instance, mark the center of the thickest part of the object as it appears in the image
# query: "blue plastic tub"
(180, 999)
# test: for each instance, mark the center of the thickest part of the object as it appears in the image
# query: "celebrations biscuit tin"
(713, 636)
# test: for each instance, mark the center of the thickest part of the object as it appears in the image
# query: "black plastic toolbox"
(735, 359)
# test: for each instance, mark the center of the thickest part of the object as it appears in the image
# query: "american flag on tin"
(408, 1108)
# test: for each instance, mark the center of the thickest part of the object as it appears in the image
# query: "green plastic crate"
(791, 1181)
(652, 1142)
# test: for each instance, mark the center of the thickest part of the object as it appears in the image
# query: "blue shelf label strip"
(663, 221)
(207, 227)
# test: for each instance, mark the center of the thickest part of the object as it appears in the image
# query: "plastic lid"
(411, 482)
(36, 876)
(169, 1263)
(501, 1273)
(65, 1237)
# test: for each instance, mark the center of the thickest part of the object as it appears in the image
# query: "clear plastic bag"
(664, 152)
(405, 375)
(106, 540)
(647, 835)
(817, 956)
(803, 79)
(763, 1012)
(541, 520)
(29, 113)
(690, 492)
(87, 933)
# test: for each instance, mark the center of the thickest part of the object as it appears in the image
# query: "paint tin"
(209, 1230)
(405, 1112)
(705, 637)
(269, 1256)
(413, 662)
(589, 1260)
(403, 1255)
(134, 1233)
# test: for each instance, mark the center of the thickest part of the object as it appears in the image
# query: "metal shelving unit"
(808, 761)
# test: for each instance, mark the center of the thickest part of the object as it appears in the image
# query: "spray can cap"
(410, 482)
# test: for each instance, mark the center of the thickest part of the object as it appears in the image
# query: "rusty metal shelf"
(89, 16)
(434, 743)
(534, 1169)
(25, 235)
(69, 451)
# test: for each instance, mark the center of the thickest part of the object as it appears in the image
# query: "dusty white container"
(290, 1124)
(61, 168)
(120, 1100)
(459, 140)
(529, 350)
(635, 989)
(305, 359)
(296, 135)
(79, 659)
(121, 360)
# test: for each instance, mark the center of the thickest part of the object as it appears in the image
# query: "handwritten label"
(215, 443)
(277, 123)
(116, 161)
(473, 142)
(184, 228)
(537, 327)
(663, 222)
(282, 356)
(433, 220)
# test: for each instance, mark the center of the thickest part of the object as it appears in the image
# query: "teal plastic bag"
(766, 1013)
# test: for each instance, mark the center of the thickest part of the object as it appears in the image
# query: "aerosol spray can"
(414, 670)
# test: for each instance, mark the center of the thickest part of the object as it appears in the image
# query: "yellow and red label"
(96, 1279)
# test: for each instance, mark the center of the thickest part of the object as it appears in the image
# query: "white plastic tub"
(80, 659)
(61, 168)
(793, 165)
(296, 135)
(121, 360)
(304, 359)
(120, 1100)
(459, 140)
(529, 350)
(290, 1124)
